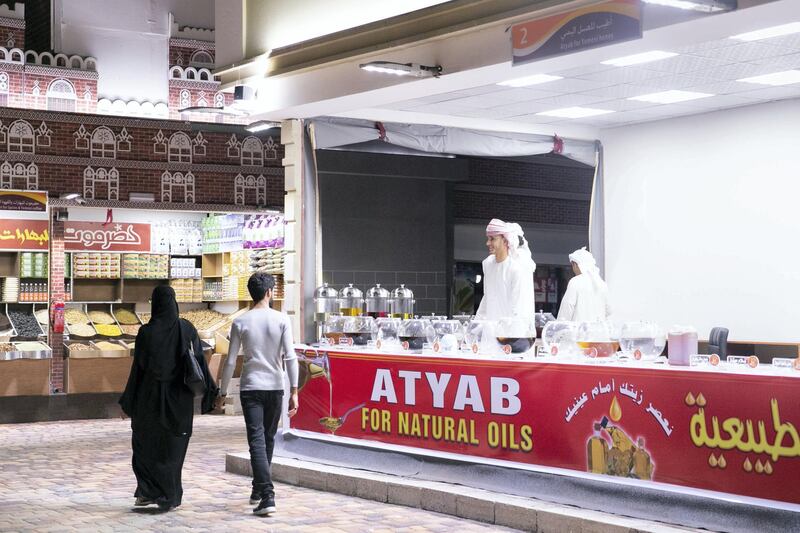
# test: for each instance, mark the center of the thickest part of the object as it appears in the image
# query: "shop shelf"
(9, 264)
(140, 290)
(96, 290)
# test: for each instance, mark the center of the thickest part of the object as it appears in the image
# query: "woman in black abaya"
(160, 405)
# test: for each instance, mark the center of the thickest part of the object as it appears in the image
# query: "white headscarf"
(587, 264)
(513, 234)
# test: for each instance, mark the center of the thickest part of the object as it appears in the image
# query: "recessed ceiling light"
(787, 77)
(536, 79)
(402, 69)
(636, 59)
(766, 33)
(670, 97)
(705, 6)
(575, 112)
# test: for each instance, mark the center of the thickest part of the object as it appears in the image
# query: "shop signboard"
(106, 237)
(723, 432)
(19, 234)
(18, 200)
(597, 25)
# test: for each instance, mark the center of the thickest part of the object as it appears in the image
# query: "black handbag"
(192, 372)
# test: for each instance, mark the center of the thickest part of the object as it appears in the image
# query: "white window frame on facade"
(12, 173)
(21, 137)
(61, 96)
(242, 184)
(92, 177)
(198, 59)
(173, 183)
(103, 143)
(252, 152)
(179, 149)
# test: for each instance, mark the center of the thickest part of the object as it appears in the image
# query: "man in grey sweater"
(265, 336)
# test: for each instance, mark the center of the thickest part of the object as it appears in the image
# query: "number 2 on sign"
(524, 40)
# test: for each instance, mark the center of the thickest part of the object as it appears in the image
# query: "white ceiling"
(707, 67)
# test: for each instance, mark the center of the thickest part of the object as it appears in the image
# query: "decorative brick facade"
(63, 145)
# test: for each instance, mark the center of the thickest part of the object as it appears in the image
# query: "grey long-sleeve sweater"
(265, 336)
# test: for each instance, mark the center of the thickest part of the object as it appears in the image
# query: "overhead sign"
(14, 200)
(589, 27)
(723, 432)
(24, 234)
(112, 237)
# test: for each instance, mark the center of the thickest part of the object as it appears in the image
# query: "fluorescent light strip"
(787, 77)
(637, 59)
(766, 33)
(575, 112)
(526, 81)
(670, 97)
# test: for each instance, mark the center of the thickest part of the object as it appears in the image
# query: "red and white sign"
(724, 432)
(100, 237)
(18, 234)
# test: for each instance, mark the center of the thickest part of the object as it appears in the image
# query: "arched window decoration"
(202, 58)
(180, 148)
(61, 96)
(20, 137)
(103, 143)
(252, 151)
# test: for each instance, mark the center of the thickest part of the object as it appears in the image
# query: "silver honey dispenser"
(402, 303)
(377, 301)
(326, 303)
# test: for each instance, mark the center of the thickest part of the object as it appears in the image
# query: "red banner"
(24, 235)
(719, 431)
(112, 237)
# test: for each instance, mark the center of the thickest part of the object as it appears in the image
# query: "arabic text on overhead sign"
(94, 236)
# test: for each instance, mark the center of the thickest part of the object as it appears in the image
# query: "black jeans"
(262, 411)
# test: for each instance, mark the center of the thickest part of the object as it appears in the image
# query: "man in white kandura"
(586, 299)
(507, 273)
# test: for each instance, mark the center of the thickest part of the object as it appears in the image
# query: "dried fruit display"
(125, 316)
(101, 317)
(75, 316)
(82, 330)
(109, 330)
(130, 330)
(25, 323)
(203, 318)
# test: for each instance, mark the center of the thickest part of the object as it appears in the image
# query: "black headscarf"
(163, 339)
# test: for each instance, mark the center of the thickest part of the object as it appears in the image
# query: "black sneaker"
(141, 501)
(255, 497)
(266, 507)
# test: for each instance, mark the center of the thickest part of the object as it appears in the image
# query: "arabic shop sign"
(590, 27)
(12, 200)
(24, 235)
(100, 237)
(724, 432)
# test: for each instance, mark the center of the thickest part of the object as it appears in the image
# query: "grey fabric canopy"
(332, 132)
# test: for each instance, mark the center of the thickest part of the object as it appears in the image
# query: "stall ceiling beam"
(411, 28)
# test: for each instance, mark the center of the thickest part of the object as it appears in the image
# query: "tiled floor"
(76, 476)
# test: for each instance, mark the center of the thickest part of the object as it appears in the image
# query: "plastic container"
(414, 333)
(682, 345)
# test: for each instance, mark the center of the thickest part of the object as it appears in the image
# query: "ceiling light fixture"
(262, 125)
(70, 196)
(638, 59)
(670, 97)
(704, 6)
(575, 112)
(402, 69)
(526, 81)
(787, 77)
(766, 33)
